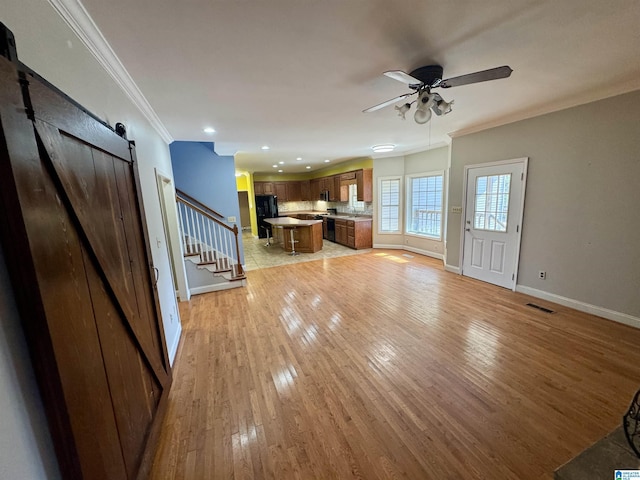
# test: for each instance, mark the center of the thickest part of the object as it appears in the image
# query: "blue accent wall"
(208, 177)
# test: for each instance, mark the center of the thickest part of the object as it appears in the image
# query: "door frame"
(167, 195)
(525, 164)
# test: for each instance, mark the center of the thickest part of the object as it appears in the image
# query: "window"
(354, 204)
(424, 201)
(492, 202)
(389, 211)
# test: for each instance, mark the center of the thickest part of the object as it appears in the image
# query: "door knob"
(468, 229)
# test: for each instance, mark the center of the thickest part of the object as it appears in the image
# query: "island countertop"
(290, 222)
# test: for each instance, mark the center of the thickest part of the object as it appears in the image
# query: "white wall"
(46, 44)
(582, 202)
(26, 449)
(422, 162)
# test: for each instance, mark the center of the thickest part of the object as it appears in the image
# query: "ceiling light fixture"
(209, 130)
(265, 147)
(279, 171)
(443, 107)
(274, 166)
(299, 158)
(327, 161)
(403, 109)
(387, 147)
(423, 110)
(281, 163)
(308, 167)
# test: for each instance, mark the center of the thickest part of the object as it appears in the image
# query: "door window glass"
(492, 202)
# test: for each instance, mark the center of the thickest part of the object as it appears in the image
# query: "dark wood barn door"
(77, 250)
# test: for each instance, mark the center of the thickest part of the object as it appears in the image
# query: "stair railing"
(213, 240)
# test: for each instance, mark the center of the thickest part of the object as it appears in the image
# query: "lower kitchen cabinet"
(355, 234)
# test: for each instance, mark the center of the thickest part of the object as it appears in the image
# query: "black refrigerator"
(266, 207)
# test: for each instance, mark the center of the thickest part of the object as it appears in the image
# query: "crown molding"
(591, 96)
(79, 20)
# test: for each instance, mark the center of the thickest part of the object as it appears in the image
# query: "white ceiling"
(296, 74)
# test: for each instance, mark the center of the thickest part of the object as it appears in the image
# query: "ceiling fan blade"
(388, 102)
(483, 76)
(403, 77)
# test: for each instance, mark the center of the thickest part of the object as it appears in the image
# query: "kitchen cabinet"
(345, 177)
(305, 191)
(364, 182)
(341, 232)
(263, 188)
(354, 233)
(281, 191)
(344, 192)
(335, 192)
(294, 191)
(315, 187)
(325, 232)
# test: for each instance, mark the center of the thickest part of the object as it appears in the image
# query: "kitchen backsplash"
(320, 206)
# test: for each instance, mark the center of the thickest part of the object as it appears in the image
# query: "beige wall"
(582, 201)
(421, 162)
(46, 44)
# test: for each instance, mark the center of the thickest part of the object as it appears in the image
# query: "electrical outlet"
(231, 219)
(456, 209)
(542, 275)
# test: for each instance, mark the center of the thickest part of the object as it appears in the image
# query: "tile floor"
(256, 255)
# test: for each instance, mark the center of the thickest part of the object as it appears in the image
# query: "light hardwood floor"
(381, 366)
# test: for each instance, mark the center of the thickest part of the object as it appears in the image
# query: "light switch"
(231, 219)
(456, 209)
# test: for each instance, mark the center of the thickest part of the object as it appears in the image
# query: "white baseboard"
(581, 306)
(218, 287)
(452, 269)
(426, 253)
(173, 348)
(387, 247)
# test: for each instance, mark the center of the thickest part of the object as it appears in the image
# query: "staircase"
(210, 246)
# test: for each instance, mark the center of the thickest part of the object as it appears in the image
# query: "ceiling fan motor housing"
(428, 75)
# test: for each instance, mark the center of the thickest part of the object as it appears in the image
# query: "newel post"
(239, 270)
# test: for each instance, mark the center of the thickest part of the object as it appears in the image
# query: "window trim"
(408, 201)
(400, 206)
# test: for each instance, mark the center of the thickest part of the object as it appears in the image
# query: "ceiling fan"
(423, 79)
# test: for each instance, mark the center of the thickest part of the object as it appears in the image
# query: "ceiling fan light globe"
(403, 109)
(444, 107)
(422, 115)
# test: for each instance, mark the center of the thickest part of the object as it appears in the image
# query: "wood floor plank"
(380, 366)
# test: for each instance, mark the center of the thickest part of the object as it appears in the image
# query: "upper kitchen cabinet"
(305, 191)
(263, 188)
(281, 191)
(364, 181)
(315, 187)
(294, 191)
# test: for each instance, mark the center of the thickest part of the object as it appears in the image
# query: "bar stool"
(293, 242)
(268, 231)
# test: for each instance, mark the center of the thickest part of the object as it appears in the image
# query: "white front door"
(493, 221)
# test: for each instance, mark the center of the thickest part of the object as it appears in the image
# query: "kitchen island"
(308, 233)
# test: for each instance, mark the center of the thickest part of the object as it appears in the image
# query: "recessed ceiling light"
(265, 147)
(209, 130)
(388, 147)
(280, 171)
(299, 158)
(327, 161)
(274, 166)
(238, 174)
(308, 167)
(281, 163)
